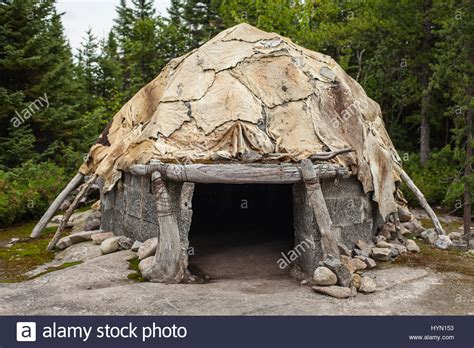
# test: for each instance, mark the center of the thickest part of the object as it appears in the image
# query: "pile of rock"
(344, 278)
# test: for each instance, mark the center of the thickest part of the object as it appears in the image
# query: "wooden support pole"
(67, 215)
(168, 265)
(71, 186)
(234, 173)
(424, 204)
(320, 210)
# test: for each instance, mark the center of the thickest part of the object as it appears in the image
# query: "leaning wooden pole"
(84, 188)
(424, 204)
(40, 226)
(318, 204)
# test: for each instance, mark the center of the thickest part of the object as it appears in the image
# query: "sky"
(80, 15)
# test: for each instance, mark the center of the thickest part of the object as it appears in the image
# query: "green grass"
(451, 260)
(24, 255)
(136, 275)
(57, 268)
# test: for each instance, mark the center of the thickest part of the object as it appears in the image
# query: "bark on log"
(424, 204)
(47, 216)
(320, 210)
(84, 188)
(168, 265)
(237, 173)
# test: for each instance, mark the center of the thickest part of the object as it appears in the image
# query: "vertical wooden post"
(320, 210)
(168, 265)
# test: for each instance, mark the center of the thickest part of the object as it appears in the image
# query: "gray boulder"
(148, 248)
(443, 242)
(412, 246)
(334, 291)
(413, 226)
(429, 236)
(110, 245)
(136, 245)
(455, 236)
(343, 275)
(367, 285)
(324, 276)
(124, 243)
(381, 254)
(146, 266)
(98, 238)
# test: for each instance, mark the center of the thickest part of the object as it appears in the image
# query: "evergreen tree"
(35, 62)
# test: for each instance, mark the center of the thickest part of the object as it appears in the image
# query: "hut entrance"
(240, 231)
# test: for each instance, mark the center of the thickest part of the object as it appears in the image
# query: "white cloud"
(80, 15)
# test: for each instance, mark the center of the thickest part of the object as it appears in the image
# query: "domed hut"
(247, 111)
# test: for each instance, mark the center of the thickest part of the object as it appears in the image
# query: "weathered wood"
(318, 204)
(236, 173)
(424, 204)
(168, 265)
(67, 215)
(71, 186)
(324, 156)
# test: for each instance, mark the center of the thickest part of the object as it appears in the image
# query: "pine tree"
(35, 61)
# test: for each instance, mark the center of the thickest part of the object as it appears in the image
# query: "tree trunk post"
(168, 264)
(320, 210)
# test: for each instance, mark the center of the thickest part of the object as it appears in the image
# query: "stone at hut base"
(136, 245)
(343, 275)
(404, 214)
(340, 292)
(429, 236)
(98, 238)
(124, 243)
(356, 281)
(443, 242)
(92, 224)
(145, 266)
(148, 248)
(455, 236)
(110, 245)
(367, 285)
(353, 265)
(363, 247)
(383, 244)
(414, 227)
(401, 249)
(323, 276)
(381, 254)
(370, 263)
(344, 250)
(412, 246)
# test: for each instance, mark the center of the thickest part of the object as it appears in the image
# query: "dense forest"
(415, 58)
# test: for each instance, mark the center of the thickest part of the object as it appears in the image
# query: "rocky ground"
(100, 285)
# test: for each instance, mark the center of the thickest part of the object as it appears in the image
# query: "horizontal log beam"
(236, 173)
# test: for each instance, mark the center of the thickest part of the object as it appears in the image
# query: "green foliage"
(136, 275)
(413, 57)
(439, 179)
(26, 191)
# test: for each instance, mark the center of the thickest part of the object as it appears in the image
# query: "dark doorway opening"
(240, 231)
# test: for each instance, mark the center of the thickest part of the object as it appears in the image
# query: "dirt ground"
(246, 281)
